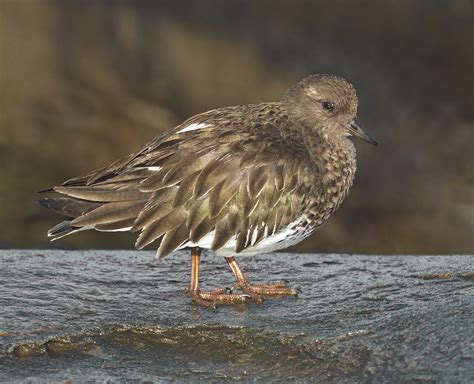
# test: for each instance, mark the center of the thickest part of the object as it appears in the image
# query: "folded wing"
(192, 183)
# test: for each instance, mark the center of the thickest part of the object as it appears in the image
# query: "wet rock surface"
(123, 316)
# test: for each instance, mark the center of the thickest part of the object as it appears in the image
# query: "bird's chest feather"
(335, 171)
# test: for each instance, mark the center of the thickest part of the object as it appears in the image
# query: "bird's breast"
(335, 174)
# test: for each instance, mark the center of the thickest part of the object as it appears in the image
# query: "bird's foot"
(216, 297)
(256, 291)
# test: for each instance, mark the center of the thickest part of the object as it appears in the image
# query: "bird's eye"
(328, 106)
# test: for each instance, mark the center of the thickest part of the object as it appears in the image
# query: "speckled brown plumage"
(240, 179)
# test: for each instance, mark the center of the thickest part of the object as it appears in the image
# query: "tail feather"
(114, 216)
(64, 228)
(68, 207)
(107, 208)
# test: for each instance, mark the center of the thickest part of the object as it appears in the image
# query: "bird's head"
(326, 104)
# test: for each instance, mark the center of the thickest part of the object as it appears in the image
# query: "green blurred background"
(85, 82)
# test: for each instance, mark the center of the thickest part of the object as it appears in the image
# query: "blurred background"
(85, 82)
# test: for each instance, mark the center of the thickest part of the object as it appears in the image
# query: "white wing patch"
(124, 229)
(156, 169)
(193, 127)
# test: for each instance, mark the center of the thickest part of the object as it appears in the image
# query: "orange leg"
(257, 290)
(209, 299)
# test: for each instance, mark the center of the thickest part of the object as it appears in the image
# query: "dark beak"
(356, 130)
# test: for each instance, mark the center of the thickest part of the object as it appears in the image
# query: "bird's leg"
(209, 299)
(279, 288)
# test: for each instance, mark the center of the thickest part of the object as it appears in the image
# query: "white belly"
(295, 232)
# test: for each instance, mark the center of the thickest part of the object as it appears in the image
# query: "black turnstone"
(237, 180)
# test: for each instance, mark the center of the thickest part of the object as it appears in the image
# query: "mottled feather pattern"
(239, 175)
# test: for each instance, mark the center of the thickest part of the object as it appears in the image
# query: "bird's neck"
(334, 156)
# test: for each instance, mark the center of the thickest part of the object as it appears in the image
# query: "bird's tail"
(69, 207)
(64, 228)
(117, 214)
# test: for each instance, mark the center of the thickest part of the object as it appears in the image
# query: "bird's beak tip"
(356, 130)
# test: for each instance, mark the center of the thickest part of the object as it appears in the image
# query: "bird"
(236, 180)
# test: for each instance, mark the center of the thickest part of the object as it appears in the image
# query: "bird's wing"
(196, 180)
(227, 194)
(134, 166)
